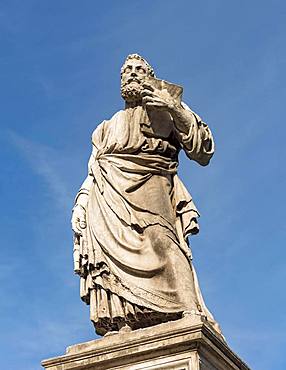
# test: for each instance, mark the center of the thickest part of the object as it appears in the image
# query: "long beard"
(131, 92)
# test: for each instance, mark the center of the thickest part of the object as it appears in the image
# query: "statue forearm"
(83, 194)
(183, 119)
(193, 134)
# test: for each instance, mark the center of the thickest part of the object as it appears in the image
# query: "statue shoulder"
(104, 126)
(186, 107)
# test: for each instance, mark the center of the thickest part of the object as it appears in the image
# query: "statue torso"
(134, 131)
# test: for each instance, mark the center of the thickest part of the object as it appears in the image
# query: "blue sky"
(60, 63)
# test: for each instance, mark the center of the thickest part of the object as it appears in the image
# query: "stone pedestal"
(186, 344)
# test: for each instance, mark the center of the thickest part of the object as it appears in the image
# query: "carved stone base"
(185, 344)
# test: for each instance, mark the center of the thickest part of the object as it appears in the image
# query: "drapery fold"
(134, 254)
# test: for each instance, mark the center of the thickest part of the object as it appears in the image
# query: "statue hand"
(78, 219)
(159, 99)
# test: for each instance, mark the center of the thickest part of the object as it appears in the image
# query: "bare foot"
(109, 333)
(125, 328)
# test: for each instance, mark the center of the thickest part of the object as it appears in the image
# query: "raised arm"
(193, 134)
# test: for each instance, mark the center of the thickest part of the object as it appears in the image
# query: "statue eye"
(141, 70)
(127, 69)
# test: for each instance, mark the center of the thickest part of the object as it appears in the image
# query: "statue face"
(134, 70)
(132, 77)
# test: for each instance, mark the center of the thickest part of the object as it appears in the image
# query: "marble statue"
(133, 215)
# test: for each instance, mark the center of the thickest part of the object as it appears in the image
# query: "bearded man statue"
(132, 215)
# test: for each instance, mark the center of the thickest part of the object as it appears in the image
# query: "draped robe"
(133, 257)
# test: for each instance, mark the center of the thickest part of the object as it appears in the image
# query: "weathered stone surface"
(133, 215)
(186, 344)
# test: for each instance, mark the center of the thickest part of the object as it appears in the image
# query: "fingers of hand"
(154, 101)
(148, 86)
(146, 92)
(147, 99)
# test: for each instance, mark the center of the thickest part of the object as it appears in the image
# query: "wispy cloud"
(47, 163)
(37, 345)
(259, 336)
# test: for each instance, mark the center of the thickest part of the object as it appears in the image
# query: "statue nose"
(133, 74)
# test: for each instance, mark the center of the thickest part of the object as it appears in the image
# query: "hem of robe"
(109, 312)
(132, 293)
(113, 304)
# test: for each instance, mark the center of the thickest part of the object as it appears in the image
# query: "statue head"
(133, 73)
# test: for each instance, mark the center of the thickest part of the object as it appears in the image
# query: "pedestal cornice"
(190, 340)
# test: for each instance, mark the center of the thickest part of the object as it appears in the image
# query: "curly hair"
(138, 57)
